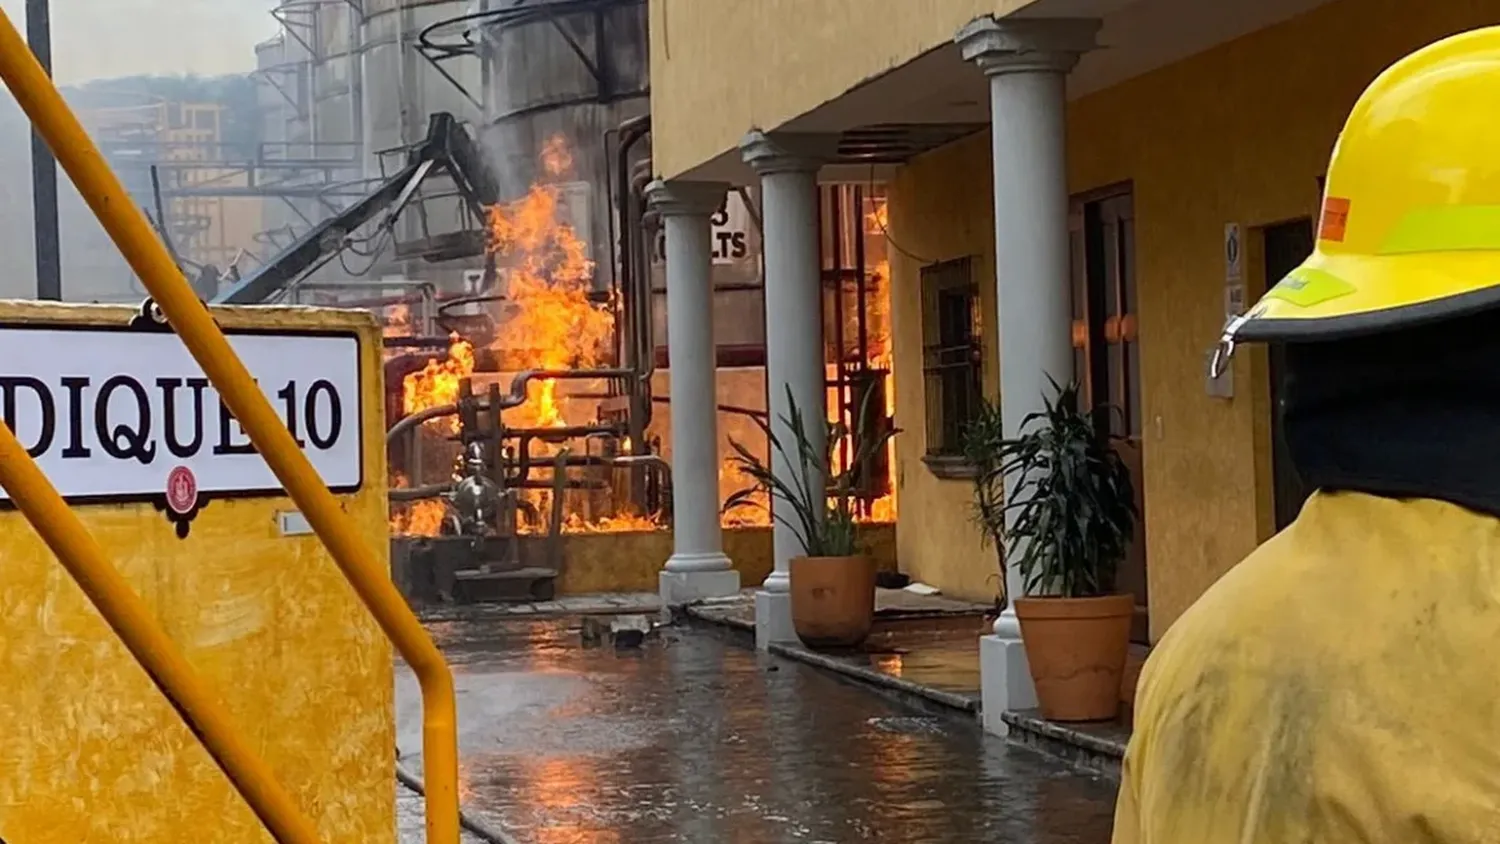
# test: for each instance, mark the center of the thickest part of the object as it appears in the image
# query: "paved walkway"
(920, 643)
(693, 739)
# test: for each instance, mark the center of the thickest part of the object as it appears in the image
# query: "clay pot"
(1077, 649)
(833, 600)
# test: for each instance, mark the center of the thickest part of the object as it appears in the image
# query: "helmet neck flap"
(1414, 413)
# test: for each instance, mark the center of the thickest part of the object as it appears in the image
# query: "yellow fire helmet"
(1410, 226)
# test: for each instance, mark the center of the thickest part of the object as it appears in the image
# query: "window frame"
(952, 359)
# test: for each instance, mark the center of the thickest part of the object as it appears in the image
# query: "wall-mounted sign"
(1234, 270)
(730, 240)
(118, 414)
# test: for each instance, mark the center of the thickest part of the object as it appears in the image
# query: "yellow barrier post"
(84, 164)
(129, 616)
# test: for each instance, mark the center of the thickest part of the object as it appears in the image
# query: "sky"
(94, 39)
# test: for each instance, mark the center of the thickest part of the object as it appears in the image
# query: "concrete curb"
(950, 700)
(905, 689)
(486, 832)
(1095, 753)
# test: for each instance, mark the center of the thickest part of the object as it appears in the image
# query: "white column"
(1027, 62)
(698, 567)
(788, 168)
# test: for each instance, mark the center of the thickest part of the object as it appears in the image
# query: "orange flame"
(421, 518)
(549, 320)
(436, 384)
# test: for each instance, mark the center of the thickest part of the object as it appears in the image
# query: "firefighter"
(1342, 684)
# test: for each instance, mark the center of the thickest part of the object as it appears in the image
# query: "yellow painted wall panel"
(722, 67)
(91, 750)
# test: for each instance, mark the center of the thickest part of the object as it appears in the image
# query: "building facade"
(1097, 184)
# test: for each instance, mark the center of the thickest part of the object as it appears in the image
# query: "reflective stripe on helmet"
(1308, 286)
(1445, 228)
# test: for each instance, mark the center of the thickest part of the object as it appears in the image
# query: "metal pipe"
(43, 165)
(547, 483)
(518, 385)
(195, 324)
(564, 433)
(407, 422)
(630, 133)
(163, 225)
(643, 296)
(416, 342)
(835, 196)
(416, 493)
(426, 289)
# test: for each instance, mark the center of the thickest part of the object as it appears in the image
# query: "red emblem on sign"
(182, 490)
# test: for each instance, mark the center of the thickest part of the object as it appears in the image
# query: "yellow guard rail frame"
(86, 561)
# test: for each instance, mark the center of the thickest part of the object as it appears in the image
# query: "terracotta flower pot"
(1077, 649)
(833, 600)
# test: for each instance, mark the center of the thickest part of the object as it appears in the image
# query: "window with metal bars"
(951, 362)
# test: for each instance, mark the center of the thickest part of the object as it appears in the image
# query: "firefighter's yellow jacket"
(1340, 686)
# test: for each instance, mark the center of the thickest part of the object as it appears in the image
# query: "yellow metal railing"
(86, 561)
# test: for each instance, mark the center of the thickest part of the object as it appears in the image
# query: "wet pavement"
(927, 645)
(695, 739)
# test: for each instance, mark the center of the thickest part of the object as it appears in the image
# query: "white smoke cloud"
(94, 39)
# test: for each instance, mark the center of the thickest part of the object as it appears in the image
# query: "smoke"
(107, 40)
(100, 40)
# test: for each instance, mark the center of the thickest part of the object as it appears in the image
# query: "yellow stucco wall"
(92, 752)
(1237, 134)
(940, 210)
(710, 60)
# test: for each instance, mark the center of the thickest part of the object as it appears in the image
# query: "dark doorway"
(1287, 245)
(1107, 350)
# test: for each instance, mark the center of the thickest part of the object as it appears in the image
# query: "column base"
(1004, 681)
(712, 561)
(685, 587)
(773, 618)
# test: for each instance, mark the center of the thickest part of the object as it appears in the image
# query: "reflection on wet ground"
(942, 655)
(693, 739)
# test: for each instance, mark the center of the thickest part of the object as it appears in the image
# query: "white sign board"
(1234, 270)
(730, 240)
(110, 413)
(1234, 253)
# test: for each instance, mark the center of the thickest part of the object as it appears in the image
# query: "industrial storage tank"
(561, 77)
(400, 88)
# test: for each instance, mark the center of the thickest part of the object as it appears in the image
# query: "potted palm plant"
(833, 582)
(1066, 525)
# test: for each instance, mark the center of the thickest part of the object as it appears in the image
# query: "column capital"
(1018, 45)
(678, 198)
(787, 152)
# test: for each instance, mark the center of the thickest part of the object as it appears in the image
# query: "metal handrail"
(80, 554)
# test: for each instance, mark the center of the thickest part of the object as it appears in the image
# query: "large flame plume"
(549, 319)
(552, 319)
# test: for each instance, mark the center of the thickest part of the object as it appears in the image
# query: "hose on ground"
(478, 826)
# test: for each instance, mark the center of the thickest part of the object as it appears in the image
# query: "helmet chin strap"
(1224, 352)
